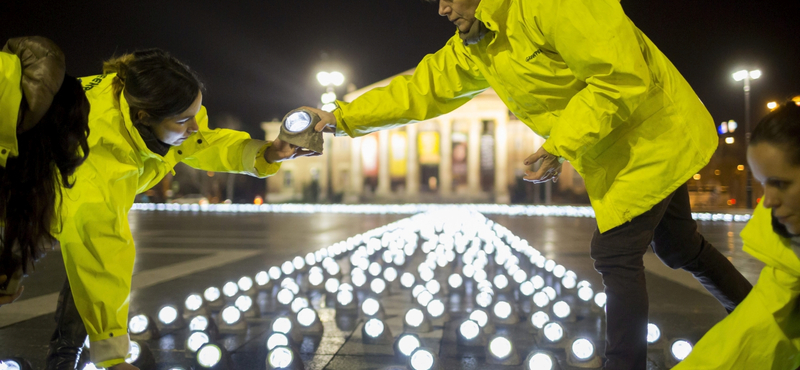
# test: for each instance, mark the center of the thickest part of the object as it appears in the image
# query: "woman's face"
(175, 130)
(781, 182)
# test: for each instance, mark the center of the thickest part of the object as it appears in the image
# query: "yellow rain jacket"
(10, 99)
(764, 330)
(580, 74)
(96, 240)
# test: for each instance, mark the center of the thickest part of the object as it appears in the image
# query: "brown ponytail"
(118, 65)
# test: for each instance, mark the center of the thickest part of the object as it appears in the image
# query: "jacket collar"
(139, 141)
(492, 13)
(761, 241)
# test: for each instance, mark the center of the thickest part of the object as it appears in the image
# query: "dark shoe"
(67, 342)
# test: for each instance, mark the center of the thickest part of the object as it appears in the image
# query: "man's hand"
(327, 122)
(6, 299)
(550, 168)
(123, 366)
(282, 151)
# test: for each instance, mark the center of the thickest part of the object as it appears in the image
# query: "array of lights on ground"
(504, 286)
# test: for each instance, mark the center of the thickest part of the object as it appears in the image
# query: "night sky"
(259, 58)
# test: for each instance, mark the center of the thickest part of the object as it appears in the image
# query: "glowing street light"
(747, 76)
(772, 105)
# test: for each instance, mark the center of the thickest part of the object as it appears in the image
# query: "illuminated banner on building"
(369, 155)
(428, 144)
(398, 154)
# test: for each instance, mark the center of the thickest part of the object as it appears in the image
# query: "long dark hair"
(154, 82)
(30, 184)
(781, 128)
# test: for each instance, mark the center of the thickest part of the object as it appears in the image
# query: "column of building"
(474, 157)
(412, 163)
(446, 161)
(356, 175)
(384, 178)
(501, 160)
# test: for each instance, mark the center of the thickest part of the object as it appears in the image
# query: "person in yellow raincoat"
(764, 331)
(146, 116)
(580, 74)
(43, 139)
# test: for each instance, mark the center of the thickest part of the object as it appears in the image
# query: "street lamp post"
(747, 76)
(329, 80)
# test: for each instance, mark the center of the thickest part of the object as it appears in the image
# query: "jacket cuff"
(253, 160)
(551, 148)
(109, 352)
(340, 130)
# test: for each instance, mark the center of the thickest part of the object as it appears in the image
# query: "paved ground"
(179, 253)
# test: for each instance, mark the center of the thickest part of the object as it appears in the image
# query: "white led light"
(480, 317)
(500, 347)
(550, 291)
(484, 299)
(540, 299)
(344, 297)
(370, 307)
(433, 286)
(390, 274)
(435, 308)
(549, 265)
(193, 302)
(167, 315)
(89, 366)
(374, 327)
(211, 294)
(568, 282)
(500, 281)
(538, 282)
(297, 121)
(243, 303)
(583, 349)
(417, 290)
(289, 283)
(282, 325)
(421, 360)
(585, 293)
(502, 310)
(196, 340)
(299, 263)
(138, 324)
(231, 315)
(680, 349)
(539, 318)
(407, 280)
(306, 317)
(332, 285)
(198, 323)
(230, 289)
(526, 288)
(455, 281)
(426, 274)
(540, 361)
(414, 317)
(600, 299)
(209, 355)
(407, 344)
(559, 271)
(275, 272)
(359, 279)
(375, 269)
(134, 351)
(245, 283)
(262, 278)
(519, 276)
(424, 297)
(277, 339)
(469, 329)
(280, 357)
(377, 285)
(299, 303)
(553, 331)
(287, 268)
(285, 296)
(561, 309)
(316, 279)
(653, 333)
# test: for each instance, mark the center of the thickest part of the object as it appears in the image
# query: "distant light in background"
(729, 140)
(772, 105)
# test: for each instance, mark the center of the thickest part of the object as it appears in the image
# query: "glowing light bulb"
(455, 281)
(211, 294)
(167, 315)
(421, 360)
(306, 317)
(196, 340)
(198, 323)
(561, 309)
(407, 280)
(262, 278)
(374, 327)
(245, 283)
(680, 349)
(285, 296)
(553, 332)
(230, 289)
(585, 294)
(276, 340)
(480, 317)
(435, 308)
(332, 285)
(500, 347)
(193, 302)
(282, 325)
(583, 349)
(502, 310)
(414, 317)
(407, 344)
(653, 333)
(500, 281)
(539, 318)
(138, 324)
(469, 329)
(600, 299)
(377, 285)
(231, 315)
(540, 361)
(299, 303)
(209, 355)
(280, 357)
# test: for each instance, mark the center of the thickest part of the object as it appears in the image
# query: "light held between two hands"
(549, 169)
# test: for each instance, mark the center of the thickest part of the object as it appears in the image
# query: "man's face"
(460, 12)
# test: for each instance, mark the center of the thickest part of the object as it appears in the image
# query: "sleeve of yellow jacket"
(98, 250)
(230, 151)
(442, 82)
(599, 43)
(10, 99)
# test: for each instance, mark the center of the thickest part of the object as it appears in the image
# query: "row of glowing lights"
(494, 209)
(401, 243)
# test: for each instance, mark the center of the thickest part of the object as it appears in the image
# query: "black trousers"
(618, 254)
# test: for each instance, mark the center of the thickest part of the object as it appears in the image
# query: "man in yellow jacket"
(580, 74)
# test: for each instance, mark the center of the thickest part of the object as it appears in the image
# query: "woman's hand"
(550, 168)
(327, 122)
(282, 151)
(6, 299)
(123, 366)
